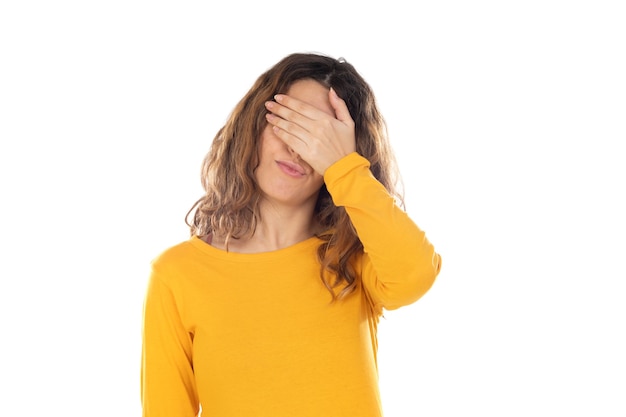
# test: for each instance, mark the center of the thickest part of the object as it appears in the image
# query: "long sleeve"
(167, 379)
(400, 264)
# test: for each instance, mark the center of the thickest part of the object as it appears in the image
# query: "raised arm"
(400, 264)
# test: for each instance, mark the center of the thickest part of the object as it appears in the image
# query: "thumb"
(341, 110)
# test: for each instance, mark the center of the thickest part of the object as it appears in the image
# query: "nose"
(294, 153)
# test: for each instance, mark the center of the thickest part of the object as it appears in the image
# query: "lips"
(291, 168)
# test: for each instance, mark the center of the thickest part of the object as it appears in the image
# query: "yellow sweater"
(255, 335)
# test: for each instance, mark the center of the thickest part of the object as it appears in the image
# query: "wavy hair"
(230, 205)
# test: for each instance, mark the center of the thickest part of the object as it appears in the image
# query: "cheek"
(269, 138)
(318, 180)
(267, 152)
(264, 147)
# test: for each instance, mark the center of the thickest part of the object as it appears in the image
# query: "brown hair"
(230, 205)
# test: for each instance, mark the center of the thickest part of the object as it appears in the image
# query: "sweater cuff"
(344, 166)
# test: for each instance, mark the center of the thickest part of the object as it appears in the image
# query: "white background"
(509, 122)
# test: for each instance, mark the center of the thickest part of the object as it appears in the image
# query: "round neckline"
(301, 246)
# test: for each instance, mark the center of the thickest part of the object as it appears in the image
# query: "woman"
(297, 247)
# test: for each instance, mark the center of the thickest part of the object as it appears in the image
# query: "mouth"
(291, 168)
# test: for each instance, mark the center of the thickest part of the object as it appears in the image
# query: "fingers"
(290, 132)
(305, 115)
(320, 135)
(298, 107)
(341, 110)
(295, 110)
(286, 118)
(289, 125)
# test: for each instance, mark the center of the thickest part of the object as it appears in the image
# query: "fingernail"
(269, 104)
(278, 97)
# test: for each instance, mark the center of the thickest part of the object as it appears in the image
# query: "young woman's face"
(282, 176)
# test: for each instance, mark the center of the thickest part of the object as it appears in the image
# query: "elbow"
(417, 283)
(428, 273)
(424, 277)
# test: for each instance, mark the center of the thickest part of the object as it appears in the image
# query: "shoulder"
(173, 260)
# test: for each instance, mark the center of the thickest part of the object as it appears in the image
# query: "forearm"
(401, 264)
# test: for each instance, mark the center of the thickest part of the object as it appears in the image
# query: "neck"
(281, 227)
(278, 228)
